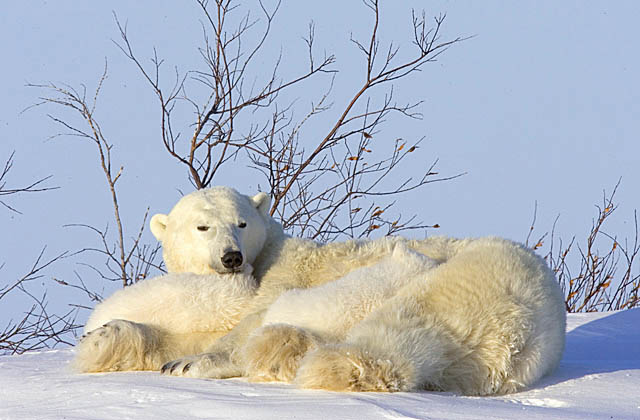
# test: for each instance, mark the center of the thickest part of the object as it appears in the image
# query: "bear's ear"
(262, 202)
(158, 225)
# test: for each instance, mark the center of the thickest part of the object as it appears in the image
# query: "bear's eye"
(242, 225)
(203, 228)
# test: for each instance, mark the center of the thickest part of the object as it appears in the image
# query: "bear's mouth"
(234, 270)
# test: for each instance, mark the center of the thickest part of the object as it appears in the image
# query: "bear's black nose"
(232, 259)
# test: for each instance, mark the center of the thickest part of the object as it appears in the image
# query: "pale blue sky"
(542, 104)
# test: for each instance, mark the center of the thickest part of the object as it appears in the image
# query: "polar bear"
(138, 328)
(473, 316)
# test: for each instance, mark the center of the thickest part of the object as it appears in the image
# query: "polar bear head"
(213, 230)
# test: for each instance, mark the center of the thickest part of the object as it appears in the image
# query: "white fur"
(221, 211)
(208, 303)
(333, 308)
(473, 316)
(490, 320)
(138, 327)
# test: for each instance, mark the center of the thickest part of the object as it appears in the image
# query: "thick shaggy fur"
(333, 309)
(473, 316)
(156, 320)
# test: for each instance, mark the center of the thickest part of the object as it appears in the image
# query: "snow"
(598, 378)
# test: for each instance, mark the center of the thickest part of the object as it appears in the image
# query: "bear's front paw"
(207, 365)
(274, 352)
(345, 368)
(117, 345)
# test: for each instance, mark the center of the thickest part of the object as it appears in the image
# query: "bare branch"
(598, 284)
(36, 186)
(119, 256)
(429, 49)
(36, 328)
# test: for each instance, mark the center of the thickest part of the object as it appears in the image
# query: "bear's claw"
(169, 366)
(173, 366)
(208, 365)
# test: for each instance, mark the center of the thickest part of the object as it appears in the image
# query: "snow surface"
(599, 378)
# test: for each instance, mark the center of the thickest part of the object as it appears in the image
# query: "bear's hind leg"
(120, 345)
(346, 367)
(395, 348)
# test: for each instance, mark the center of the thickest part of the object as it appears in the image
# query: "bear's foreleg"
(121, 345)
(222, 359)
(271, 353)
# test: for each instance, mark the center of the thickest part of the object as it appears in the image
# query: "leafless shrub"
(36, 328)
(227, 58)
(321, 190)
(312, 190)
(607, 277)
(125, 262)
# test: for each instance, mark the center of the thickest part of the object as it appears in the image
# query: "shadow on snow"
(604, 345)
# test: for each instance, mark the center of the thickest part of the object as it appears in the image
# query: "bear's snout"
(232, 259)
